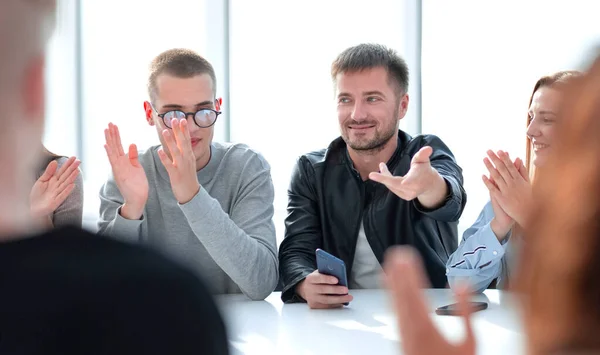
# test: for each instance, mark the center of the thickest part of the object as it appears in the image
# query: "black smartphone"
(328, 264)
(454, 309)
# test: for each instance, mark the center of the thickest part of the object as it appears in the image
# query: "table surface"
(366, 326)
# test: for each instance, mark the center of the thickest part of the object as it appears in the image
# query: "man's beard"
(378, 142)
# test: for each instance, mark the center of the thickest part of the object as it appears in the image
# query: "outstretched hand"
(422, 181)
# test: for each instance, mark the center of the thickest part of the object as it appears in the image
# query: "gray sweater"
(225, 233)
(70, 212)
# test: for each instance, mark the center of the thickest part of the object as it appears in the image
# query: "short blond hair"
(180, 63)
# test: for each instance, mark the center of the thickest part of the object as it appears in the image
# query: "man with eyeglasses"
(207, 204)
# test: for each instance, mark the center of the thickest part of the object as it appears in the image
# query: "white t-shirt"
(366, 270)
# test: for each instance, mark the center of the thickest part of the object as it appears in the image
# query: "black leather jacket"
(328, 200)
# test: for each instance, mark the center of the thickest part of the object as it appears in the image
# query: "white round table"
(366, 326)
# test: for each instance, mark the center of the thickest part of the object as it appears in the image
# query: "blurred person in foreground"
(68, 291)
(557, 283)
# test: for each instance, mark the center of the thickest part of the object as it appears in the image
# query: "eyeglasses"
(203, 118)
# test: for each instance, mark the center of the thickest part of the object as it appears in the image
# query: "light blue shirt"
(480, 258)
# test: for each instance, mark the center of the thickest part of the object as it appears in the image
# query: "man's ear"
(218, 103)
(403, 106)
(148, 110)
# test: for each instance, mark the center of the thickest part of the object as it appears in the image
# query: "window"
(60, 134)
(480, 62)
(272, 60)
(282, 99)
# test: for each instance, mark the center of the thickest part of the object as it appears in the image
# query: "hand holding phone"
(324, 289)
(328, 264)
(454, 309)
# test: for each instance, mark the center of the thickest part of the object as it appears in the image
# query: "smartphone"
(328, 264)
(454, 309)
